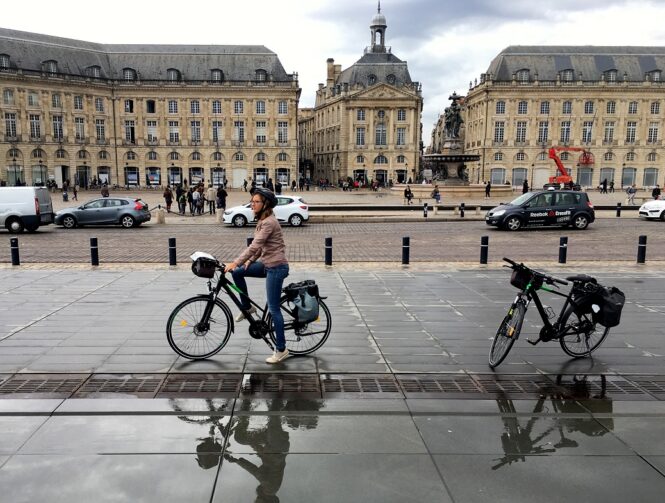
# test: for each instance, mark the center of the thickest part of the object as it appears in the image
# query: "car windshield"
(522, 199)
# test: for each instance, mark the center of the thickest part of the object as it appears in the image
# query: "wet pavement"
(399, 405)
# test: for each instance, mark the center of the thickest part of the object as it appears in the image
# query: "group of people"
(196, 198)
(604, 187)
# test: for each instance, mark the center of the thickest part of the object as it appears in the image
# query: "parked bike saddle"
(585, 278)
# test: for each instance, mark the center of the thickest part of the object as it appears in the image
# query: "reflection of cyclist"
(264, 258)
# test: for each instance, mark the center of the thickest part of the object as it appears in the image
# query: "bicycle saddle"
(584, 278)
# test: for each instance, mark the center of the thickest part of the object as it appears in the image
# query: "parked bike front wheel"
(190, 337)
(580, 336)
(302, 338)
(508, 332)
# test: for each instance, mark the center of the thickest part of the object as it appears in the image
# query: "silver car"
(126, 211)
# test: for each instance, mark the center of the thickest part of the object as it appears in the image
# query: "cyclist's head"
(263, 201)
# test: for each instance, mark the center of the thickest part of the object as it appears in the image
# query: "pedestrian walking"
(168, 198)
(76, 192)
(221, 198)
(278, 188)
(182, 202)
(603, 186)
(655, 193)
(488, 189)
(293, 185)
(612, 187)
(211, 196)
(525, 187)
(190, 200)
(105, 190)
(631, 194)
(244, 185)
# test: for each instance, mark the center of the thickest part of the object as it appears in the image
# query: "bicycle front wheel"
(580, 336)
(302, 338)
(190, 337)
(508, 332)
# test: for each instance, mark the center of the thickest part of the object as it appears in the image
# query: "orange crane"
(564, 178)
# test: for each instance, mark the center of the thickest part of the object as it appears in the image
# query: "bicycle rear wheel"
(302, 338)
(191, 339)
(580, 336)
(508, 332)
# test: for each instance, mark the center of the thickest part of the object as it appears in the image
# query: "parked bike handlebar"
(546, 278)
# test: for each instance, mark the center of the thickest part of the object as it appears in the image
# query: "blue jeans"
(274, 281)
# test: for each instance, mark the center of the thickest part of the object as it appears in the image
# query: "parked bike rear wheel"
(580, 336)
(189, 338)
(508, 332)
(303, 338)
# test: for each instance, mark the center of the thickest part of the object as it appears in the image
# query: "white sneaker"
(241, 316)
(278, 356)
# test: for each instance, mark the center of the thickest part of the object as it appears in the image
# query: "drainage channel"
(237, 385)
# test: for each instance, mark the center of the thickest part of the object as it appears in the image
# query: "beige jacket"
(268, 244)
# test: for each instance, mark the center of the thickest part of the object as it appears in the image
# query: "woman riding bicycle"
(264, 258)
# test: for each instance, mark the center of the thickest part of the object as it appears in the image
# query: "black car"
(544, 208)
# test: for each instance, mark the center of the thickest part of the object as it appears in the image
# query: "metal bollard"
(328, 251)
(249, 240)
(642, 250)
(172, 260)
(484, 248)
(563, 249)
(618, 209)
(94, 252)
(13, 244)
(425, 210)
(406, 248)
(461, 210)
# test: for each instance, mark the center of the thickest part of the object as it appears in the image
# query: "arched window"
(519, 175)
(152, 156)
(391, 79)
(239, 156)
(82, 154)
(608, 156)
(567, 75)
(564, 156)
(50, 66)
(656, 75)
(497, 176)
(61, 154)
(217, 156)
(630, 156)
(216, 75)
(103, 154)
(650, 177)
(196, 156)
(523, 75)
(360, 159)
(174, 156)
(542, 156)
(37, 154)
(173, 75)
(401, 159)
(282, 157)
(610, 75)
(651, 157)
(131, 156)
(94, 71)
(371, 80)
(261, 75)
(520, 156)
(128, 74)
(380, 159)
(498, 156)
(260, 156)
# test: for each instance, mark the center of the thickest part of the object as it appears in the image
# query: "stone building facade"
(366, 122)
(144, 115)
(607, 100)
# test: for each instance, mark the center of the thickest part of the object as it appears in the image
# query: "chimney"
(338, 71)
(330, 80)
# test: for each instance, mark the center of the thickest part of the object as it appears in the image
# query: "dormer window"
(51, 67)
(567, 75)
(4, 62)
(173, 75)
(391, 79)
(261, 75)
(371, 80)
(216, 76)
(655, 75)
(523, 75)
(128, 74)
(610, 75)
(95, 72)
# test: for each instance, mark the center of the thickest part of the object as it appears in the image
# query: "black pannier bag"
(305, 296)
(610, 301)
(204, 267)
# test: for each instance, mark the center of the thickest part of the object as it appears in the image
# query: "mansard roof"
(591, 62)
(380, 65)
(238, 62)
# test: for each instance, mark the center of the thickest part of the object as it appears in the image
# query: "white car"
(653, 209)
(291, 209)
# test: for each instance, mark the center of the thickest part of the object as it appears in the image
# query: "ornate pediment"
(383, 92)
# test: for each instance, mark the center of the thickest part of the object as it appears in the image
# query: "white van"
(25, 208)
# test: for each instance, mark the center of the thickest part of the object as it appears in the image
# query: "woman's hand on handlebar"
(230, 267)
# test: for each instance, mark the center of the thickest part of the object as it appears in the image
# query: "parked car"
(544, 208)
(25, 208)
(291, 209)
(126, 211)
(653, 209)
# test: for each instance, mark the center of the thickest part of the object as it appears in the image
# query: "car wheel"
(513, 223)
(127, 221)
(662, 216)
(580, 222)
(239, 221)
(68, 222)
(295, 220)
(15, 225)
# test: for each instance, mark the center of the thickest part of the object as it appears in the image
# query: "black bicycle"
(576, 328)
(200, 326)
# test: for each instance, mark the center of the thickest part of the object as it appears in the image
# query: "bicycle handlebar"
(547, 278)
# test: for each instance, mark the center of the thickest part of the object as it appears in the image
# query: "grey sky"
(446, 43)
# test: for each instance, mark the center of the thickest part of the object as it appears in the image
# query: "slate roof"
(590, 61)
(238, 62)
(379, 64)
